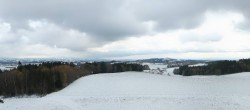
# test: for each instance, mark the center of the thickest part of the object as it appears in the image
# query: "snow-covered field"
(2, 67)
(144, 91)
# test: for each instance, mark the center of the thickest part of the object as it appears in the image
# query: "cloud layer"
(111, 28)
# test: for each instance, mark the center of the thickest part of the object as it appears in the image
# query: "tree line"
(47, 77)
(215, 68)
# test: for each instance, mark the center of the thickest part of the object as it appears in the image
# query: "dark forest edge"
(215, 68)
(49, 77)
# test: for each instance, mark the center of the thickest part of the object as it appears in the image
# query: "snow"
(4, 67)
(199, 64)
(155, 65)
(144, 91)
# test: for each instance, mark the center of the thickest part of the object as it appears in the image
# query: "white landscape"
(47, 44)
(144, 91)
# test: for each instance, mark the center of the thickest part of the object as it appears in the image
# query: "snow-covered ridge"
(144, 91)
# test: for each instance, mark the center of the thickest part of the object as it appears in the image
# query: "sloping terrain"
(144, 91)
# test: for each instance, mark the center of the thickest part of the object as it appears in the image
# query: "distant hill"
(157, 60)
(171, 62)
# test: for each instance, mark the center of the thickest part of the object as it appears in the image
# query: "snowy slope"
(156, 65)
(144, 91)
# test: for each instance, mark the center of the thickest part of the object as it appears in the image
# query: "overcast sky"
(125, 29)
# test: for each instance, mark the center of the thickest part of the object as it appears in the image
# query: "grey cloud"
(105, 21)
(55, 36)
(171, 14)
(186, 38)
(176, 14)
(113, 19)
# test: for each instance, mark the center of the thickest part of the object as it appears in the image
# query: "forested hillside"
(215, 68)
(52, 76)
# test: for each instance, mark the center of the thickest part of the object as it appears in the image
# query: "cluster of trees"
(105, 67)
(49, 77)
(215, 68)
